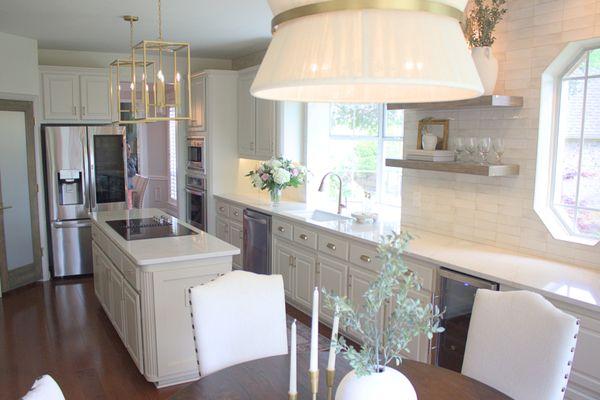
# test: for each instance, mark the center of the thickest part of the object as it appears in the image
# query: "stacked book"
(430, 155)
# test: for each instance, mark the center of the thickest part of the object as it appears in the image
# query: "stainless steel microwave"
(196, 153)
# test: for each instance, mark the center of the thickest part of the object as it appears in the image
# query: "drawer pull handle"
(366, 259)
(303, 237)
(222, 209)
(281, 229)
(331, 246)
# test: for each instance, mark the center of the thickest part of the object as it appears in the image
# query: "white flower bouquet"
(277, 174)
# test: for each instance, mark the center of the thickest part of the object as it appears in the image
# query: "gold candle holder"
(314, 383)
(329, 379)
(292, 396)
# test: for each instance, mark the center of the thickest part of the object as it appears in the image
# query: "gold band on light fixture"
(347, 5)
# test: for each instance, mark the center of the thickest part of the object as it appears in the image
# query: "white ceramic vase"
(487, 67)
(387, 385)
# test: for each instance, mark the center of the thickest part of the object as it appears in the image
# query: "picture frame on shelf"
(437, 127)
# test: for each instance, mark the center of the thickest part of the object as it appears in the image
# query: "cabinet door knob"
(281, 229)
(236, 213)
(331, 246)
(303, 237)
(365, 258)
(222, 209)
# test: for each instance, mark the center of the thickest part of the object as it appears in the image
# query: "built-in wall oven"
(455, 293)
(195, 188)
(196, 153)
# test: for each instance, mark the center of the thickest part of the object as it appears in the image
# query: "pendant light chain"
(160, 35)
(131, 33)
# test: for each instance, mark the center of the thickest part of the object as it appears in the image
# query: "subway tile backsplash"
(498, 211)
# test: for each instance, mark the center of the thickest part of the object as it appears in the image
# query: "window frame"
(172, 141)
(548, 142)
(554, 206)
(381, 138)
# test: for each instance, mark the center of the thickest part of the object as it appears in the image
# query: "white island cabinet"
(143, 288)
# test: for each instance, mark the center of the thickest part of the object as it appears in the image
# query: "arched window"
(570, 116)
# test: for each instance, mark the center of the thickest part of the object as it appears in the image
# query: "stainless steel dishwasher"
(257, 242)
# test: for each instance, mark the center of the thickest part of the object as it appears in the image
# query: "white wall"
(499, 211)
(94, 59)
(18, 66)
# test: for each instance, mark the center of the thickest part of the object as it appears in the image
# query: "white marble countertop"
(162, 250)
(563, 282)
(368, 233)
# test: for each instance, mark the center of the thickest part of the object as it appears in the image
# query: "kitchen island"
(142, 284)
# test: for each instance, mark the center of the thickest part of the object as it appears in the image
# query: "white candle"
(334, 334)
(293, 350)
(314, 333)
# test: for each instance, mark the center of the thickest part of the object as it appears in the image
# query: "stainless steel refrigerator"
(85, 171)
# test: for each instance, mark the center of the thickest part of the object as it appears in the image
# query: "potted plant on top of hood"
(481, 22)
(372, 377)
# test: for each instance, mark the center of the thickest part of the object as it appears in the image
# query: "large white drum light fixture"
(367, 51)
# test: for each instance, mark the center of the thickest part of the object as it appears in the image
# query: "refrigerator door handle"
(72, 224)
(86, 175)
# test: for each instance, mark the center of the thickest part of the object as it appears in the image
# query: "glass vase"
(275, 196)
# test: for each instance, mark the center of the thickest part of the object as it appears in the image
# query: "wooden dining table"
(268, 379)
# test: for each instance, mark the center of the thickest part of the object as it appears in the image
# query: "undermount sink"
(321, 216)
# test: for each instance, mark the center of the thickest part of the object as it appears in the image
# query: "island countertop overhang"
(147, 252)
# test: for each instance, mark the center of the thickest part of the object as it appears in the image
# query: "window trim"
(548, 141)
(172, 125)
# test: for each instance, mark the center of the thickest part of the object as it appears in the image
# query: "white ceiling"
(215, 28)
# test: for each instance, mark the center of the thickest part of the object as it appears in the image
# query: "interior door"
(20, 251)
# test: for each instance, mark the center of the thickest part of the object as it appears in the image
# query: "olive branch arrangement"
(482, 21)
(383, 344)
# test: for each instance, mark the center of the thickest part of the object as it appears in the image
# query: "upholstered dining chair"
(520, 344)
(238, 317)
(44, 388)
(140, 183)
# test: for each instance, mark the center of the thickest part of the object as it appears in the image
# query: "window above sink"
(353, 140)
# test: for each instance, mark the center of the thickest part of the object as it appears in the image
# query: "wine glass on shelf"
(470, 147)
(459, 148)
(498, 146)
(483, 146)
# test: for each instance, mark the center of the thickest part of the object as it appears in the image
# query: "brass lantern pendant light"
(122, 86)
(161, 75)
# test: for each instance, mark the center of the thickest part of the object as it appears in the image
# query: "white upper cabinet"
(198, 107)
(95, 98)
(246, 117)
(257, 121)
(265, 128)
(61, 96)
(75, 94)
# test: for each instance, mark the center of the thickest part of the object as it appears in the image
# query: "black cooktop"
(149, 228)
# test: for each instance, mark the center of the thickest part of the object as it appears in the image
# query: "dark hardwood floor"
(60, 328)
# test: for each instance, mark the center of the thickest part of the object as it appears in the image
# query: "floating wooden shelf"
(495, 100)
(456, 167)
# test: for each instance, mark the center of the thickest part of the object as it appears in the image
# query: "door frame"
(32, 272)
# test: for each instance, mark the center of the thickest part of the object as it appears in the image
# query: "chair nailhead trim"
(563, 389)
(566, 376)
(572, 349)
(569, 363)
